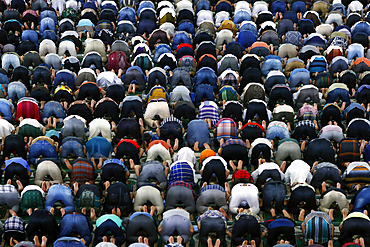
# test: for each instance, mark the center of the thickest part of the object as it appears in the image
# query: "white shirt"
(110, 77)
(185, 153)
(6, 128)
(32, 122)
(283, 108)
(266, 166)
(209, 159)
(298, 172)
(245, 192)
(259, 141)
(74, 116)
(32, 187)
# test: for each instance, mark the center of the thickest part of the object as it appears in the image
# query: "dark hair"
(147, 137)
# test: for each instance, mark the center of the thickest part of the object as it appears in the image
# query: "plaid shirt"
(233, 142)
(184, 184)
(212, 187)
(226, 128)
(211, 214)
(14, 223)
(182, 171)
(7, 188)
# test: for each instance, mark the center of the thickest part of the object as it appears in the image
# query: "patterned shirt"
(226, 128)
(212, 187)
(209, 109)
(115, 161)
(212, 214)
(170, 119)
(233, 142)
(14, 223)
(184, 184)
(7, 188)
(318, 227)
(182, 171)
(307, 122)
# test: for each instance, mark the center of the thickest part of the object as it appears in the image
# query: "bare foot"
(310, 242)
(105, 239)
(253, 243)
(44, 240)
(231, 163)
(171, 239)
(344, 214)
(29, 211)
(62, 212)
(83, 210)
(218, 242)
(12, 212)
(179, 239)
(152, 210)
(301, 215)
(146, 241)
(331, 214)
(209, 242)
(52, 210)
(113, 240)
(132, 164)
(196, 146)
(36, 241)
(92, 214)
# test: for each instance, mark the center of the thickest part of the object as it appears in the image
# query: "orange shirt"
(163, 143)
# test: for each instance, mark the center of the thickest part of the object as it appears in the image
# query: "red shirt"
(163, 143)
(129, 141)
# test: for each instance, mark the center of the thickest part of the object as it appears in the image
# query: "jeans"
(48, 13)
(76, 223)
(5, 110)
(362, 27)
(16, 89)
(278, 6)
(241, 16)
(271, 64)
(180, 38)
(206, 76)
(298, 6)
(68, 242)
(42, 147)
(203, 4)
(49, 34)
(58, 192)
(71, 146)
(223, 6)
(32, 36)
(66, 77)
(161, 49)
(127, 13)
(355, 50)
(277, 132)
(273, 191)
(338, 93)
(74, 126)
(339, 8)
(53, 108)
(203, 91)
(10, 59)
(47, 23)
(297, 77)
(187, 27)
(362, 199)
(144, 4)
(249, 27)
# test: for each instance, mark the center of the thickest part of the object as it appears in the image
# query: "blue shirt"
(140, 213)
(17, 160)
(115, 161)
(98, 146)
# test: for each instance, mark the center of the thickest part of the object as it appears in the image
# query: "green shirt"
(111, 217)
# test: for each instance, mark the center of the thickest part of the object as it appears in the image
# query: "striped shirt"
(318, 227)
(212, 187)
(209, 109)
(170, 119)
